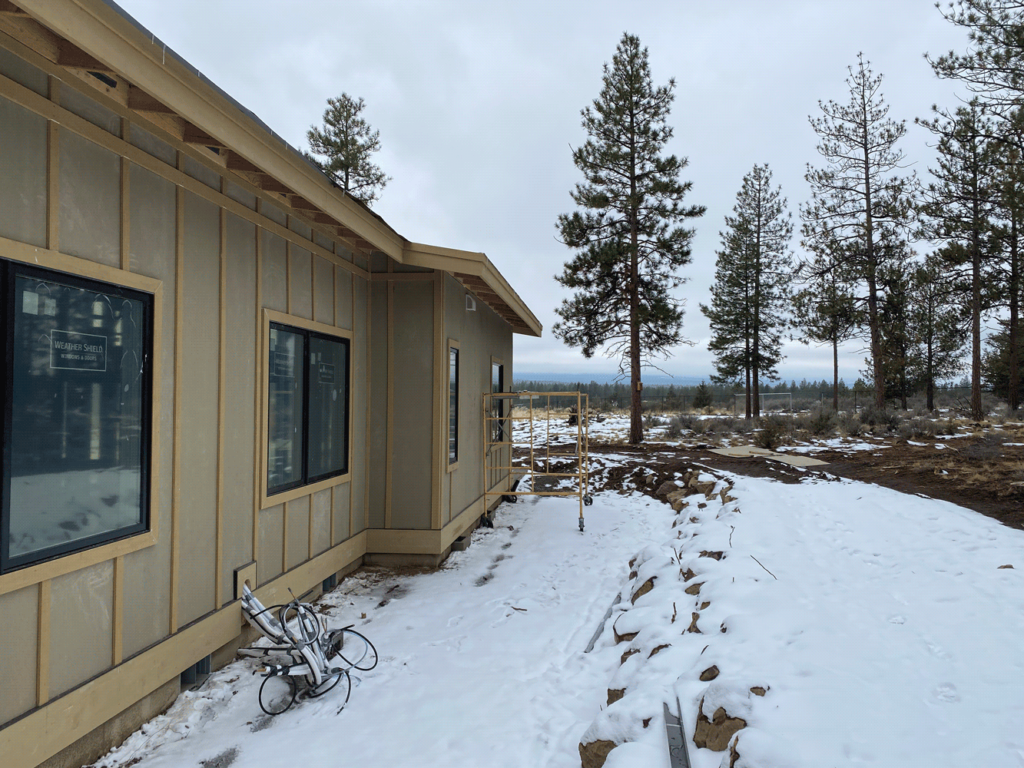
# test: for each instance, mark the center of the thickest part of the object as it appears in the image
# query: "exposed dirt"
(978, 471)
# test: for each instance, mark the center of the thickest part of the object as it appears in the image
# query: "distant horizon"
(659, 379)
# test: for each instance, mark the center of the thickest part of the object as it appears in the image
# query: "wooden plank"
(140, 101)
(8, 8)
(53, 175)
(437, 410)
(179, 344)
(236, 162)
(390, 434)
(117, 628)
(71, 56)
(195, 135)
(218, 588)
(302, 204)
(126, 255)
(259, 475)
(43, 644)
(270, 184)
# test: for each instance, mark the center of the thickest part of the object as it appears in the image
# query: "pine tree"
(628, 231)
(825, 309)
(702, 397)
(957, 207)
(347, 142)
(751, 293)
(939, 326)
(859, 205)
(996, 362)
(993, 65)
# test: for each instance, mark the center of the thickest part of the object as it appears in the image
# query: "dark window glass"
(76, 426)
(328, 406)
(285, 432)
(308, 397)
(453, 405)
(498, 403)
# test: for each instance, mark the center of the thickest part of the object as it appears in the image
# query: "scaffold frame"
(500, 433)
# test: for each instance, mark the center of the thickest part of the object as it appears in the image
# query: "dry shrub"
(848, 424)
(988, 448)
(819, 422)
(879, 420)
(916, 428)
(774, 429)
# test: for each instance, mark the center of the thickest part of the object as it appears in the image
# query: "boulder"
(715, 555)
(694, 589)
(1004, 567)
(693, 624)
(594, 754)
(666, 488)
(644, 588)
(714, 733)
(709, 674)
(759, 690)
(687, 574)
(629, 652)
(614, 694)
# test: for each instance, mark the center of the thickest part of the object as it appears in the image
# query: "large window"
(308, 407)
(453, 403)
(76, 421)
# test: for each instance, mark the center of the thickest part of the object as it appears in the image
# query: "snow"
(880, 624)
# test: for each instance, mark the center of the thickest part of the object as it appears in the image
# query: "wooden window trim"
(272, 316)
(12, 250)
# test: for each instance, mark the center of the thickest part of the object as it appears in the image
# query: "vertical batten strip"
(218, 588)
(43, 644)
(258, 474)
(351, 400)
(53, 174)
(390, 286)
(437, 454)
(288, 276)
(117, 652)
(179, 321)
(369, 398)
(126, 259)
(309, 530)
(284, 541)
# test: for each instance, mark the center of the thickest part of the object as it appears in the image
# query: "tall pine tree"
(957, 207)
(858, 199)
(825, 310)
(628, 232)
(347, 142)
(751, 295)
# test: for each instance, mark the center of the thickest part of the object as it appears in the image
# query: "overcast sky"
(478, 105)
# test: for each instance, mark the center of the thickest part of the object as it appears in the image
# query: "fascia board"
(106, 35)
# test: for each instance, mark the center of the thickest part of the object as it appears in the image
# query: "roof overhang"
(476, 272)
(99, 35)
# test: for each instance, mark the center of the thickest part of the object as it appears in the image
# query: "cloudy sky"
(478, 105)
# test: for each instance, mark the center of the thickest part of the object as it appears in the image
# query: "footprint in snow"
(897, 619)
(946, 693)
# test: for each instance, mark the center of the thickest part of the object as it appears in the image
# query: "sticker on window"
(326, 371)
(78, 351)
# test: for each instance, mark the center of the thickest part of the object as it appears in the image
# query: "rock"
(632, 575)
(724, 494)
(694, 520)
(758, 690)
(594, 754)
(658, 649)
(707, 487)
(614, 694)
(626, 637)
(715, 734)
(666, 488)
(646, 721)
(627, 654)
(646, 587)
(693, 624)
(701, 505)
(694, 589)
(734, 756)
(1003, 567)
(709, 674)
(687, 574)
(678, 505)
(715, 555)
(705, 604)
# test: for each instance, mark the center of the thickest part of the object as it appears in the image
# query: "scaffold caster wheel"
(588, 500)
(581, 525)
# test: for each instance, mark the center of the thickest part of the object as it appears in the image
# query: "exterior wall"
(90, 188)
(105, 625)
(482, 336)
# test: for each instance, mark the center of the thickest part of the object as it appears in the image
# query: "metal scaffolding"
(519, 442)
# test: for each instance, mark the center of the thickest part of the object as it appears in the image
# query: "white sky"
(478, 105)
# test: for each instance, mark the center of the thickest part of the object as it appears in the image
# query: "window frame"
(498, 403)
(269, 496)
(453, 346)
(79, 553)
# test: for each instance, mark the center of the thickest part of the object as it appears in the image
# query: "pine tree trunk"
(835, 374)
(1013, 396)
(747, 372)
(876, 335)
(976, 409)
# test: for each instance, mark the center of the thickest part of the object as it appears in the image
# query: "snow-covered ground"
(880, 624)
